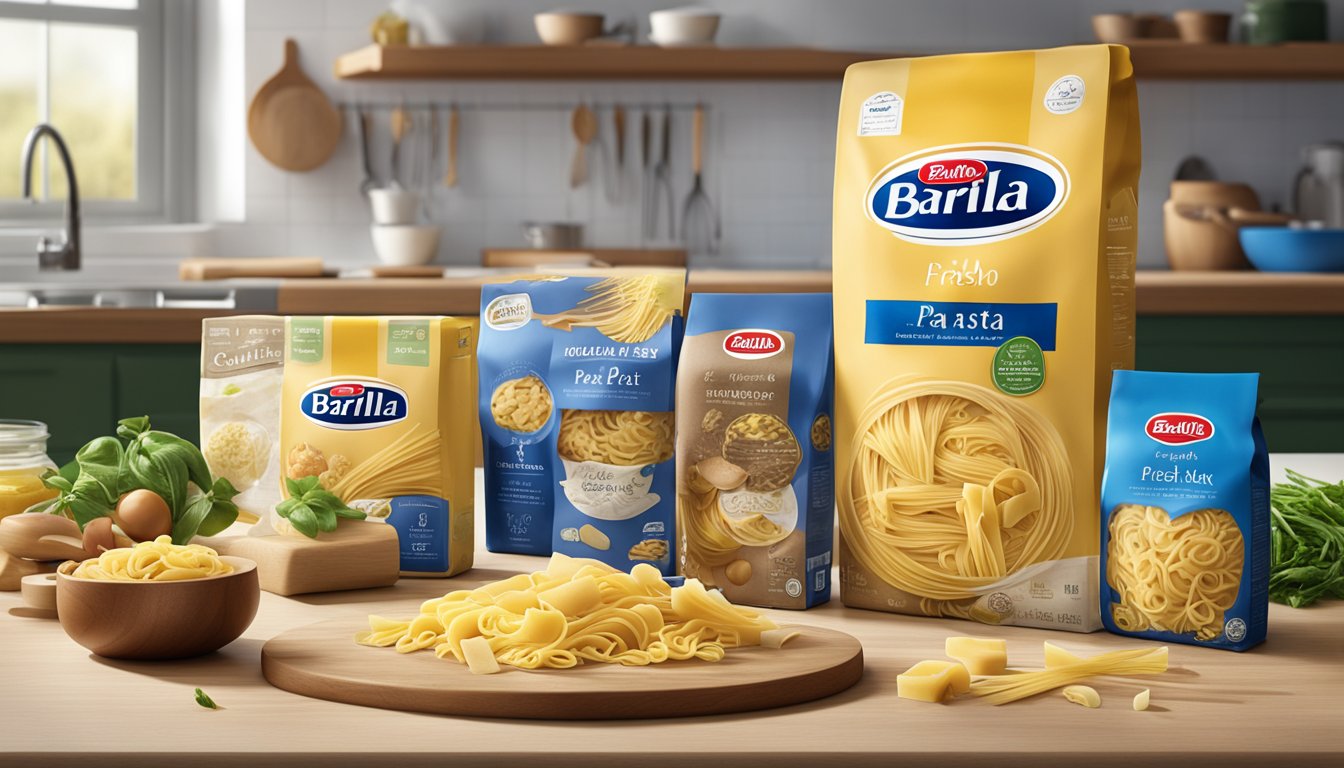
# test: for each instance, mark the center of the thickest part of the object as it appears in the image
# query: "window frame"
(164, 131)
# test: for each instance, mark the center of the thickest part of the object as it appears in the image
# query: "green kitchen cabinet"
(80, 390)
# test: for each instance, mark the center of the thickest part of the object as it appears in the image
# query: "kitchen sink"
(131, 289)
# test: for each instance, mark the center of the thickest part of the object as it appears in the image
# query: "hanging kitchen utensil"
(432, 142)
(646, 175)
(699, 222)
(365, 119)
(584, 124)
(662, 177)
(290, 121)
(450, 174)
(616, 179)
(401, 126)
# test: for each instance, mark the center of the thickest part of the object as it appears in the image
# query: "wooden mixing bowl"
(158, 619)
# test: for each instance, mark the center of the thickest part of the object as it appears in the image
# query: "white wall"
(771, 145)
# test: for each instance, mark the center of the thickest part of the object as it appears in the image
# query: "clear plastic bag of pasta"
(1185, 510)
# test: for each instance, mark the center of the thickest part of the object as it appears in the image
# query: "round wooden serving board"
(323, 661)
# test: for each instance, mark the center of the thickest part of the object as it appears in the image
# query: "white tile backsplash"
(770, 146)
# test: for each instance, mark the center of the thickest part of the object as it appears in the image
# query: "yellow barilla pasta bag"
(984, 248)
(382, 411)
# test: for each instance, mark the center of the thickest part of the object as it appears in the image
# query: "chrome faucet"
(63, 255)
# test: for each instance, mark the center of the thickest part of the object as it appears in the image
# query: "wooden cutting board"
(323, 661)
(216, 268)
(291, 121)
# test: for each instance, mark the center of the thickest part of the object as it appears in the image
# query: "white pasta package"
(242, 370)
(577, 374)
(1185, 510)
(985, 228)
(755, 484)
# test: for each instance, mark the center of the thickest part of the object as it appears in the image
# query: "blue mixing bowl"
(1283, 249)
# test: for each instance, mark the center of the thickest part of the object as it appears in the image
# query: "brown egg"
(98, 536)
(143, 515)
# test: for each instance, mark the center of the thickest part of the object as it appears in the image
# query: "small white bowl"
(394, 205)
(405, 245)
(688, 26)
(568, 27)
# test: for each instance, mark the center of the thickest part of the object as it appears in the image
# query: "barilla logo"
(753, 344)
(506, 313)
(967, 194)
(354, 404)
(1179, 428)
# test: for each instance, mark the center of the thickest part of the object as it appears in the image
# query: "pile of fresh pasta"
(157, 560)
(574, 612)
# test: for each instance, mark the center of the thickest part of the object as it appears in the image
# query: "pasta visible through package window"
(620, 438)
(522, 405)
(953, 487)
(649, 550)
(1177, 575)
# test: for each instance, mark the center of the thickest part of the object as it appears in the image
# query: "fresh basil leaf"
(130, 429)
(60, 483)
(70, 471)
(350, 514)
(292, 487)
(326, 520)
(283, 508)
(86, 510)
(222, 514)
(306, 484)
(170, 446)
(99, 464)
(304, 521)
(223, 490)
(204, 700)
(323, 497)
(189, 523)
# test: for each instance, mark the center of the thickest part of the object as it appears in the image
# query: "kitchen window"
(111, 76)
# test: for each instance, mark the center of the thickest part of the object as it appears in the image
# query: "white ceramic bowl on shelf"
(688, 26)
(405, 245)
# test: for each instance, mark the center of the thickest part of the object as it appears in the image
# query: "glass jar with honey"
(23, 461)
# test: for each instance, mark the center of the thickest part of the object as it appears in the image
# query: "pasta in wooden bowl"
(157, 600)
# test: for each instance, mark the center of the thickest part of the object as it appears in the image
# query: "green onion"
(1306, 541)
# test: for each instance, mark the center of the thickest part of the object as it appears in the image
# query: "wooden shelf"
(1163, 60)
(595, 62)
(1153, 60)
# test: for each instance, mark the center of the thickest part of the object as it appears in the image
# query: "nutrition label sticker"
(880, 115)
(1019, 367)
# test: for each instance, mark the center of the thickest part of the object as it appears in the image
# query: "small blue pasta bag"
(1185, 510)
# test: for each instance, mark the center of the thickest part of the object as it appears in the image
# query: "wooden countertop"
(1158, 293)
(1275, 705)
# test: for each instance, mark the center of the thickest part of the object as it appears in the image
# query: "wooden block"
(13, 569)
(356, 556)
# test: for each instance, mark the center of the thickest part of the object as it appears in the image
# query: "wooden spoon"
(291, 122)
(584, 123)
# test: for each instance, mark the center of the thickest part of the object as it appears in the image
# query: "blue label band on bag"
(421, 523)
(958, 323)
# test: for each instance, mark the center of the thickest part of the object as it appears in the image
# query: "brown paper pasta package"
(984, 237)
(755, 490)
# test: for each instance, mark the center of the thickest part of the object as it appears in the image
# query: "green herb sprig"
(1306, 541)
(140, 457)
(204, 700)
(312, 509)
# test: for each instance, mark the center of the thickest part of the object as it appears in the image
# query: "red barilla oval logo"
(753, 344)
(959, 171)
(1179, 428)
(347, 390)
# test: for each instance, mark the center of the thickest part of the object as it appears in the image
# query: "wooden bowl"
(157, 619)
(1203, 26)
(568, 28)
